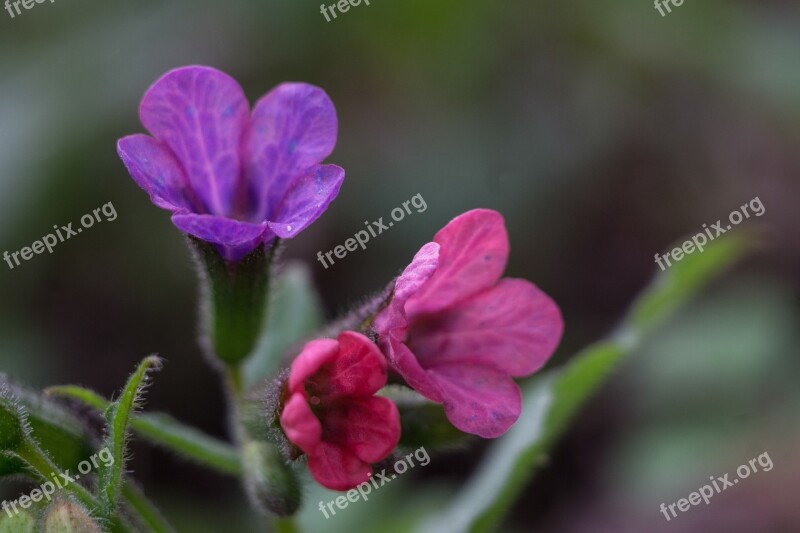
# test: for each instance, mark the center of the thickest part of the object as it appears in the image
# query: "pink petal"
(337, 468)
(392, 320)
(201, 114)
(478, 400)
(315, 354)
(370, 427)
(405, 363)
(155, 169)
(513, 327)
(307, 197)
(474, 250)
(359, 368)
(233, 238)
(300, 425)
(293, 128)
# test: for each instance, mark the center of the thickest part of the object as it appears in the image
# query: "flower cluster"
(452, 329)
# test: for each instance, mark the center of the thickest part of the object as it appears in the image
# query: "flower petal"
(234, 238)
(153, 167)
(359, 369)
(201, 113)
(293, 127)
(513, 327)
(392, 320)
(337, 468)
(478, 400)
(314, 355)
(306, 199)
(474, 251)
(370, 427)
(300, 425)
(405, 363)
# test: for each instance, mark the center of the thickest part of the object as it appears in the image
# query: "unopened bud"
(17, 522)
(67, 516)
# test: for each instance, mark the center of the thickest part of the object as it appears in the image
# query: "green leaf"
(118, 416)
(163, 430)
(60, 434)
(553, 399)
(295, 313)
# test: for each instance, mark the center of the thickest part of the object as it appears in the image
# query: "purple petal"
(513, 327)
(293, 127)
(201, 114)
(234, 238)
(479, 400)
(154, 169)
(306, 200)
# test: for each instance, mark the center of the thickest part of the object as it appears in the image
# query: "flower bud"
(66, 516)
(271, 483)
(19, 522)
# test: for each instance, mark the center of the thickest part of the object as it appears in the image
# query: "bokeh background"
(601, 130)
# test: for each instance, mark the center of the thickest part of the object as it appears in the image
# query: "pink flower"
(332, 414)
(458, 333)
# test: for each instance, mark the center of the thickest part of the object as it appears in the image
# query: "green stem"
(144, 509)
(165, 431)
(43, 466)
(285, 525)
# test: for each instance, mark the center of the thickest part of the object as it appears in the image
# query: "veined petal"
(337, 468)
(233, 238)
(478, 400)
(305, 200)
(405, 363)
(360, 369)
(513, 327)
(392, 320)
(474, 251)
(201, 114)
(153, 167)
(370, 427)
(293, 128)
(314, 355)
(300, 425)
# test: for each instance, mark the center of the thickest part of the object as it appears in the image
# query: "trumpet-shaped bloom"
(458, 334)
(229, 177)
(332, 413)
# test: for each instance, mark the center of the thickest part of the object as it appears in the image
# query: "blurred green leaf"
(295, 312)
(165, 431)
(57, 431)
(553, 400)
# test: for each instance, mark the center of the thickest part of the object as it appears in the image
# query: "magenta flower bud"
(458, 334)
(332, 413)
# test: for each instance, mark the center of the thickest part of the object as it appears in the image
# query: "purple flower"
(231, 178)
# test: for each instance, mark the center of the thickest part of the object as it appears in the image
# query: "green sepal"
(234, 298)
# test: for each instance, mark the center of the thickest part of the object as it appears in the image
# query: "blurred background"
(604, 132)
